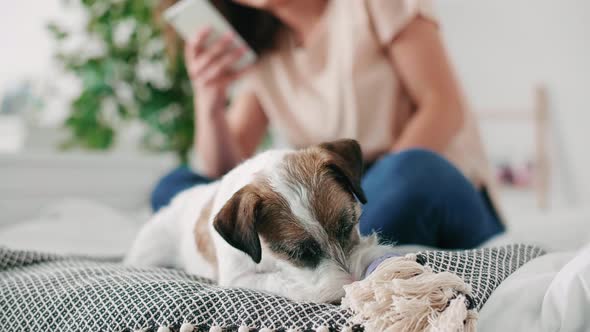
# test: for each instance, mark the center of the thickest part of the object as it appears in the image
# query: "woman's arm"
(418, 54)
(223, 139)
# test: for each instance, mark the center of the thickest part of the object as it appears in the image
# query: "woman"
(372, 70)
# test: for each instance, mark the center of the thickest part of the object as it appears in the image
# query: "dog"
(284, 222)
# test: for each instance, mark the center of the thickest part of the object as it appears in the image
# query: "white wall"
(25, 45)
(502, 48)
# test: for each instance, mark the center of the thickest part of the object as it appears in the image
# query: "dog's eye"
(346, 229)
(309, 254)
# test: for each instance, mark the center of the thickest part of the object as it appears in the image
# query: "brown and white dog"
(284, 222)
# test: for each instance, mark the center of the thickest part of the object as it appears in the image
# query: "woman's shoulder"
(384, 18)
(393, 8)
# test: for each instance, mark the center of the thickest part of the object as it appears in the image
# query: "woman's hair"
(258, 28)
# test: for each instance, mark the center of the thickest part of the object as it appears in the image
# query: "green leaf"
(56, 31)
(100, 137)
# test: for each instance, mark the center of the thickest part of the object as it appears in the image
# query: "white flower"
(99, 8)
(123, 32)
(95, 48)
(109, 111)
(85, 46)
(153, 47)
(172, 111)
(124, 93)
(153, 72)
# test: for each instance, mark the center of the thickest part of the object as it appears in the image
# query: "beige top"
(343, 85)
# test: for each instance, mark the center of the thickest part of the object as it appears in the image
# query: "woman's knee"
(420, 174)
(417, 164)
(411, 183)
(417, 196)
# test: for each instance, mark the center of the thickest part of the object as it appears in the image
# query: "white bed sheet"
(551, 293)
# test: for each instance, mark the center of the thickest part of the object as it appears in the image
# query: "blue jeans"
(414, 197)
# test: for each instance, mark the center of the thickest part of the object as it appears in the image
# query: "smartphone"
(188, 16)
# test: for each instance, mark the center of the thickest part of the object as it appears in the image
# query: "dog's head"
(303, 214)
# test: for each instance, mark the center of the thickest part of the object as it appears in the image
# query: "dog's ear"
(346, 161)
(236, 222)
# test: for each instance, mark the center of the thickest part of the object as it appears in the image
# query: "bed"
(49, 203)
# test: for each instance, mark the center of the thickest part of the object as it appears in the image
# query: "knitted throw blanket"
(46, 292)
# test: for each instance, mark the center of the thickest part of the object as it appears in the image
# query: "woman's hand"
(222, 139)
(212, 68)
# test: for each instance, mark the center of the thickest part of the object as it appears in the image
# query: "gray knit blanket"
(47, 292)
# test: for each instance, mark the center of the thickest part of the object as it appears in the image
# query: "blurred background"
(95, 105)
